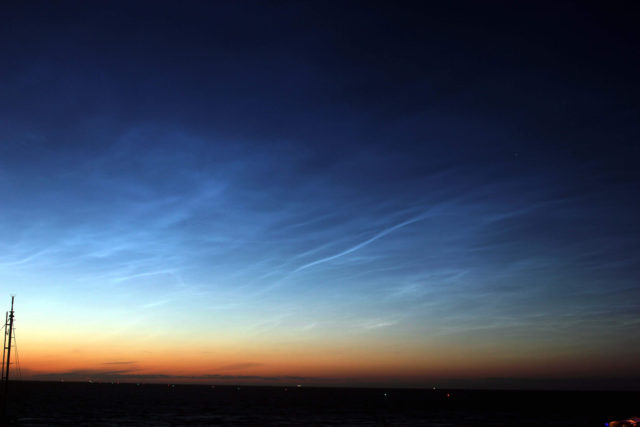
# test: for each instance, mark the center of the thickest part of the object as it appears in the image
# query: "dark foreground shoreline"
(105, 404)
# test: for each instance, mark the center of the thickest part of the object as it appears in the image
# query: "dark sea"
(105, 404)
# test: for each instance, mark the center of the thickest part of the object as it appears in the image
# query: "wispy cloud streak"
(363, 244)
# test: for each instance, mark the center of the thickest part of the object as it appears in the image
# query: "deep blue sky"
(460, 177)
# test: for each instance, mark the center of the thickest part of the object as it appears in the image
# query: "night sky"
(331, 193)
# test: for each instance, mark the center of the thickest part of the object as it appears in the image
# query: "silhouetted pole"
(4, 346)
(6, 362)
(8, 347)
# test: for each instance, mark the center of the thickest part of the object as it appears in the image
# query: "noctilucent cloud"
(306, 192)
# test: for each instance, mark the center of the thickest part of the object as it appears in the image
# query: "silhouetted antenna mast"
(7, 346)
(6, 356)
(4, 346)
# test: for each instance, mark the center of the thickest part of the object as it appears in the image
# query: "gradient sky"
(322, 193)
